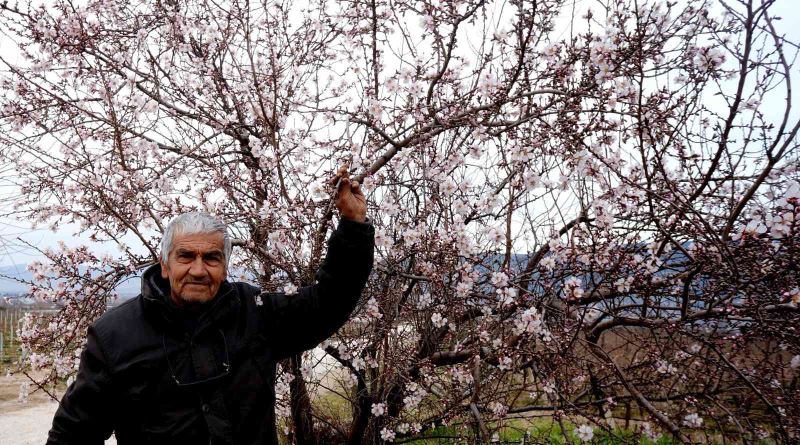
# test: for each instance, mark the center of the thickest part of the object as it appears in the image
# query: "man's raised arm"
(301, 321)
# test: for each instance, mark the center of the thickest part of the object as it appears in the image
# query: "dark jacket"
(147, 378)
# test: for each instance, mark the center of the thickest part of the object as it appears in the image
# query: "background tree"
(586, 214)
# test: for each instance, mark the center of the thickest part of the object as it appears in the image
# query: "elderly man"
(192, 359)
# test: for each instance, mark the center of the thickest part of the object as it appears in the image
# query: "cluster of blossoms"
(584, 433)
(424, 301)
(781, 223)
(382, 240)
(462, 375)
(414, 395)
(387, 434)
(438, 320)
(498, 409)
(529, 321)
(505, 363)
(604, 215)
(372, 309)
(282, 405)
(549, 388)
(693, 420)
(414, 235)
(708, 60)
(664, 367)
(601, 56)
(573, 288)
(378, 409)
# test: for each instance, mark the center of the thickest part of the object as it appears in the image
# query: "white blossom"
(573, 289)
(387, 435)
(506, 296)
(584, 433)
(665, 367)
(475, 151)
(307, 370)
(463, 288)
(505, 363)
(551, 52)
(414, 395)
(495, 235)
(424, 300)
(448, 187)
(344, 352)
(499, 279)
(488, 84)
(693, 420)
(548, 263)
(378, 409)
(382, 240)
(529, 321)
(375, 109)
(708, 59)
(413, 235)
(438, 320)
(499, 409)
(372, 308)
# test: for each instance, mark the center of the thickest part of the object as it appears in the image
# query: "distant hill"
(9, 286)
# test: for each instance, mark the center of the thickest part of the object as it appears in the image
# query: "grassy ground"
(544, 431)
(549, 432)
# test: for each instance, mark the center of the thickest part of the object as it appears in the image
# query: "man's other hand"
(350, 200)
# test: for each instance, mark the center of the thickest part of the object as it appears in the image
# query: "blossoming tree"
(586, 214)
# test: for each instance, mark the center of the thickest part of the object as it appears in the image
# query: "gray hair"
(192, 223)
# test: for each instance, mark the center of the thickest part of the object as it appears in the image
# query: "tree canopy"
(587, 211)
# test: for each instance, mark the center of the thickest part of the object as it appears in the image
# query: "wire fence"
(11, 316)
(10, 348)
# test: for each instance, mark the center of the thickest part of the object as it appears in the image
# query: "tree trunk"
(300, 405)
(361, 412)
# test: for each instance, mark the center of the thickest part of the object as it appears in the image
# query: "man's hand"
(350, 201)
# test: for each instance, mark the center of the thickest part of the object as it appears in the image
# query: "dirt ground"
(25, 423)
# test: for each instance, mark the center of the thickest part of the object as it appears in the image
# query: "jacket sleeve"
(84, 414)
(301, 321)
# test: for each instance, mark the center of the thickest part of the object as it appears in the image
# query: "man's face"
(195, 267)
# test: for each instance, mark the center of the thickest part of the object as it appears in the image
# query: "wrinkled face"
(195, 267)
